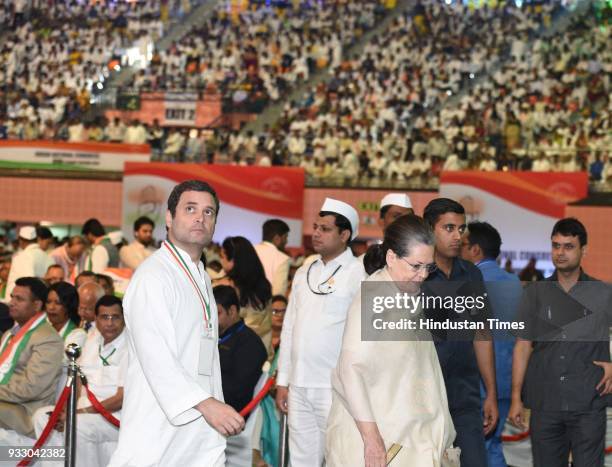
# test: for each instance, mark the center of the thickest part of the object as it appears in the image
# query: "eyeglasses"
(417, 268)
(278, 311)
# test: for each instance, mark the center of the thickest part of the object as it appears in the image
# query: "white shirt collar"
(342, 259)
(184, 255)
(116, 343)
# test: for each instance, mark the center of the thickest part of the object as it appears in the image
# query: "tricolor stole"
(11, 347)
(67, 329)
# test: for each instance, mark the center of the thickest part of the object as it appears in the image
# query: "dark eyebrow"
(194, 203)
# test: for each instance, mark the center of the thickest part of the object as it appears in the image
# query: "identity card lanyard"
(205, 305)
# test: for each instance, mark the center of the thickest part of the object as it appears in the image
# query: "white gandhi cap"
(115, 237)
(27, 232)
(396, 199)
(344, 209)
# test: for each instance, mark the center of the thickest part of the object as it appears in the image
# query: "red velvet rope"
(513, 438)
(49, 426)
(244, 412)
(100, 408)
(260, 395)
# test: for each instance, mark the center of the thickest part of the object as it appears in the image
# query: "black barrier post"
(73, 351)
(283, 458)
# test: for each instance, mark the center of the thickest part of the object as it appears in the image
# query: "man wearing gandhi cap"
(393, 206)
(30, 261)
(312, 331)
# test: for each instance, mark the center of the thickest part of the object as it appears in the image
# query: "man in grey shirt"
(561, 364)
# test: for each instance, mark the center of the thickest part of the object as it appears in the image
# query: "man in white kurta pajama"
(173, 376)
(312, 332)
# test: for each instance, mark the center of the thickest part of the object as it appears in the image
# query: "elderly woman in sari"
(390, 394)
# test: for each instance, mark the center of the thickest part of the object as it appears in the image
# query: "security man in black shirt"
(241, 351)
(561, 364)
(465, 357)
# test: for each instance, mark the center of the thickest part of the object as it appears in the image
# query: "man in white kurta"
(174, 377)
(104, 365)
(312, 334)
(30, 261)
(275, 233)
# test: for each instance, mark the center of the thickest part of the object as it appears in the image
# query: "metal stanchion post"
(283, 442)
(73, 351)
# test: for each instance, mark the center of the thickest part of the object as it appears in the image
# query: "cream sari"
(397, 384)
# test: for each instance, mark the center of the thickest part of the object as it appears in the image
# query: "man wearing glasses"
(312, 331)
(104, 362)
(465, 357)
(279, 307)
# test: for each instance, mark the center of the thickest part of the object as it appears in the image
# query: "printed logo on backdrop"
(248, 196)
(522, 206)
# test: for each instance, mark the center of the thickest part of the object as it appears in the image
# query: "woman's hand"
(374, 450)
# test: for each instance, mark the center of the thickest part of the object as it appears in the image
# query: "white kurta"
(165, 322)
(29, 262)
(96, 437)
(313, 325)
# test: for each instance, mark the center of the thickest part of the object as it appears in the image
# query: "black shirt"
(569, 331)
(242, 354)
(456, 349)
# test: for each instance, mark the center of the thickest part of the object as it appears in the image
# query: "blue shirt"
(504, 293)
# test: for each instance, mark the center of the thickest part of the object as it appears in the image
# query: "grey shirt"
(569, 331)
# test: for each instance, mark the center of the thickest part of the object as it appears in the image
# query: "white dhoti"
(307, 421)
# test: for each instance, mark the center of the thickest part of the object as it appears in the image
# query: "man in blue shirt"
(464, 356)
(481, 246)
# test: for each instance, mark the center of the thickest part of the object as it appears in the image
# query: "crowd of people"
(257, 55)
(410, 125)
(552, 96)
(244, 307)
(54, 53)
(445, 87)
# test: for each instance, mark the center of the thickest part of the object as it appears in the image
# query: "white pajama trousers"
(96, 438)
(307, 421)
